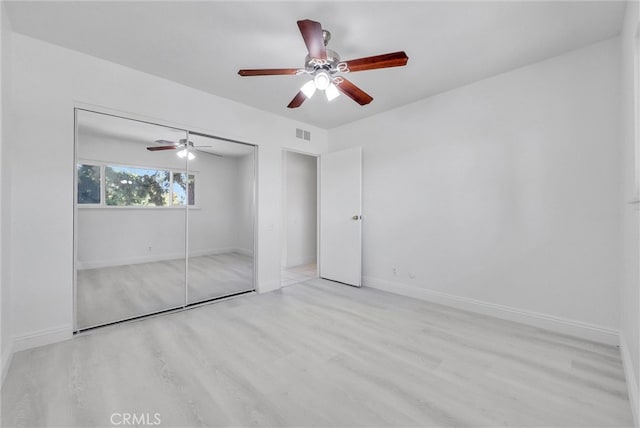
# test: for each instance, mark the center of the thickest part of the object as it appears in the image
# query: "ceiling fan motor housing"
(330, 64)
(326, 36)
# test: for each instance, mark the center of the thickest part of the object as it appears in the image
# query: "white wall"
(301, 208)
(630, 295)
(50, 81)
(502, 196)
(5, 192)
(117, 236)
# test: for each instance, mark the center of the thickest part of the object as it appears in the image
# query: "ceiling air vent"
(303, 134)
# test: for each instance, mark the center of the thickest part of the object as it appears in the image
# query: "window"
(126, 186)
(88, 184)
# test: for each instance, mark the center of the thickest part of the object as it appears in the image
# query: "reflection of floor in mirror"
(120, 292)
(296, 274)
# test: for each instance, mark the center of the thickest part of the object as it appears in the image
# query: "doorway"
(299, 260)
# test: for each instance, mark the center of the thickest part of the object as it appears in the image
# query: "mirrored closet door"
(163, 219)
(220, 261)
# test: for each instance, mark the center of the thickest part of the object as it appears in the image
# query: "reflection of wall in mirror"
(244, 209)
(119, 236)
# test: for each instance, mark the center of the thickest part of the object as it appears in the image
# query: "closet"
(164, 218)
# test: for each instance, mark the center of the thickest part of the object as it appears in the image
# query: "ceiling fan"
(326, 69)
(181, 144)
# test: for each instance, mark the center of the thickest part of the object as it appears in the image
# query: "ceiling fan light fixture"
(308, 89)
(332, 92)
(322, 80)
(184, 153)
(323, 64)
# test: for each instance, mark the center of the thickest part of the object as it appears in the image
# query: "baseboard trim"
(242, 251)
(549, 322)
(7, 356)
(630, 377)
(266, 287)
(42, 337)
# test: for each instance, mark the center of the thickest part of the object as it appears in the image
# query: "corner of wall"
(6, 343)
(42, 337)
(31, 340)
(630, 215)
(6, 357)
(266, 287)
(632, 386)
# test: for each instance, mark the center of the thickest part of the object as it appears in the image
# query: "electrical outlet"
(149, 248)
(394, 270)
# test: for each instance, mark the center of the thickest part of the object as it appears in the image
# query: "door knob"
(356, 217)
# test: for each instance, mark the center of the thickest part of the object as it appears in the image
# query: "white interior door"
(340, 216)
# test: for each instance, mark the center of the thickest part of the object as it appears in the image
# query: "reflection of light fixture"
(182, 153)
(323, 82)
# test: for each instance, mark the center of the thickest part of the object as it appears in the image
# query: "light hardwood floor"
(296, 274)
(115, 293)
(320, 354)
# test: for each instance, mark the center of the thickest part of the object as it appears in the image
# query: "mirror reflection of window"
(126, 186)
(89, 184)
(180, 189)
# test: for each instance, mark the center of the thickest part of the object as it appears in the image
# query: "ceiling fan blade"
(297, 100)
(268, 71)
(353, 92)
(312, 35)
(166, 142)
(153, 149)
(209, 153)
(395, 59)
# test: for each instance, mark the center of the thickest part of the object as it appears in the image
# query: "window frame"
(103, 188)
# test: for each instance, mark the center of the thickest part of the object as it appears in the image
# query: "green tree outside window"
(126, 186)
(88, 184)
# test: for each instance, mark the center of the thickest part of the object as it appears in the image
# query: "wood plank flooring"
(296, 274)
(320, 354)
(115, 293)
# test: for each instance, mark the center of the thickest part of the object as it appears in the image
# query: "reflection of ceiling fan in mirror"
(181, 144)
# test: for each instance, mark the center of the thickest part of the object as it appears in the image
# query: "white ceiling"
(203, 44)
